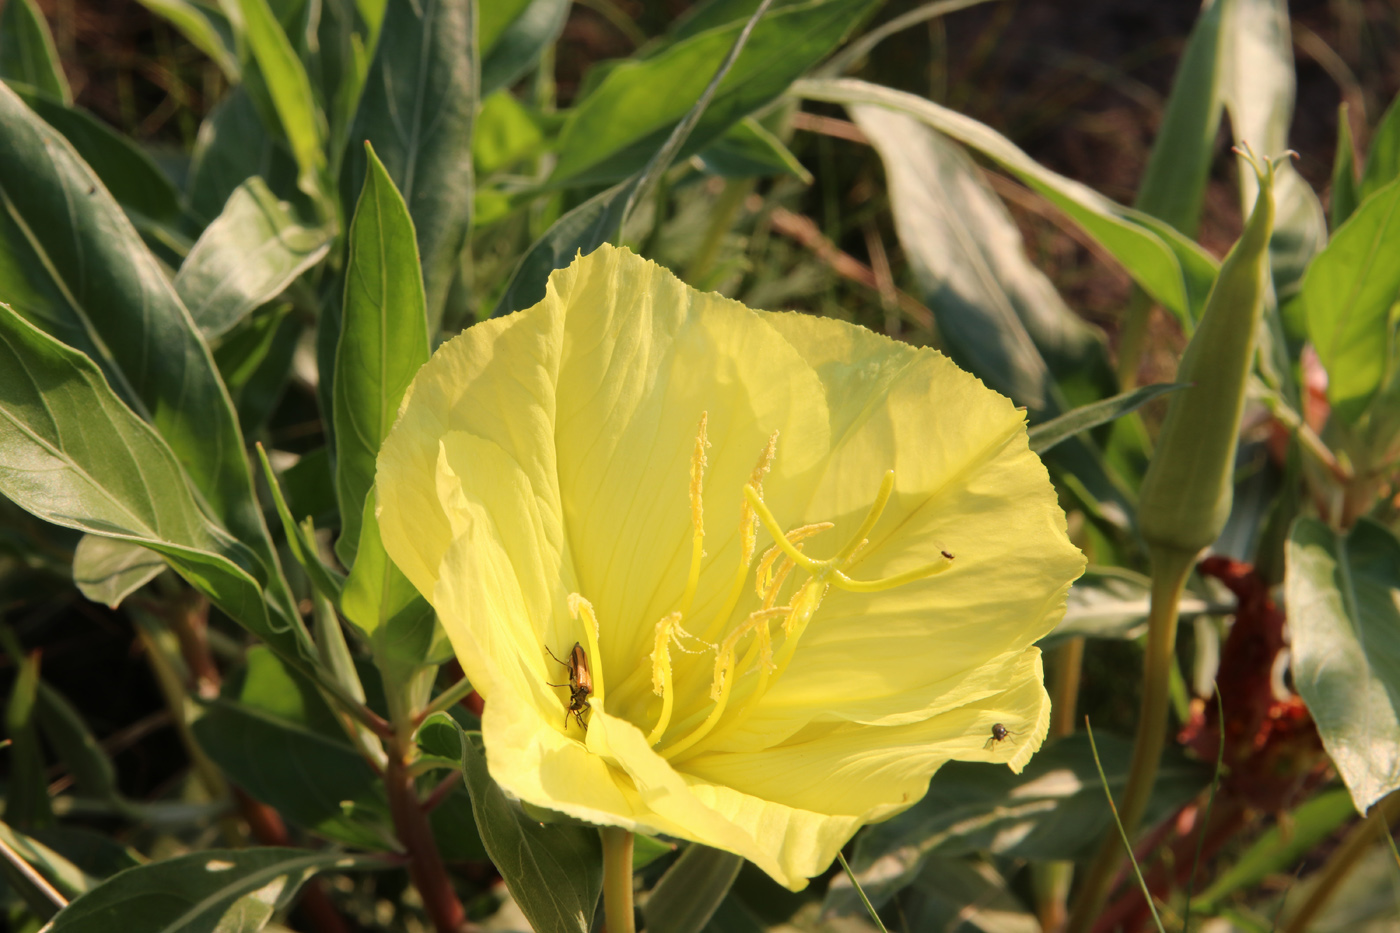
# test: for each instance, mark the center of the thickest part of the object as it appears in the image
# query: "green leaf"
(1052, 810)
(1174, 184)
(514, 33)
(280, 742)
(250, 253)
(132, 176)
(26, 791)
(383, 341)
(231, 890)
(749, 150)
(1049, 433)
(27, 53)
(690, 892)
(205, 28)
(1383, 158)
(967, 255)
(233, 146)
(73, 454)
(255, 360)
(963, 894)
(554, 871)
(1168, 266)
(1258, 88)
(75, 267)
(107, 570)
(1344, 186)
(1347, 296)
(290, 89)
(506, 132)
(601, 217)
(417, 111)
(1343, 595)
(1113, 602)
(383, 604)
(616, 128)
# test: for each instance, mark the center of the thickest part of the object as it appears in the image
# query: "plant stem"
(1051, 880)
(617, 879)
(425, 866)
(1170, 568)
(1132, 336)
(721, 220)
(1340, 863)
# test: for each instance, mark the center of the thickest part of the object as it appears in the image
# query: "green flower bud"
(1186, 494)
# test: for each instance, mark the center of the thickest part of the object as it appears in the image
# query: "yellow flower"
(611, 468)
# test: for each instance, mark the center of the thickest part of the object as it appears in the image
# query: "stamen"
(661, 674)
(697, 513)
(723, 683)
(748, 537)
(578, 606)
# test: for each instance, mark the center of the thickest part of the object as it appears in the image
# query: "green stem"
(1170, 568)
(1340, 863)
(1132, 337)
(617, 879)
(1051, 880)
(721, 220)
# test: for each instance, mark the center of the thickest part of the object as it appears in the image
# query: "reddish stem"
(425, 866)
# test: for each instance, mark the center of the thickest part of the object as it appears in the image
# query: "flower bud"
(1186, 494)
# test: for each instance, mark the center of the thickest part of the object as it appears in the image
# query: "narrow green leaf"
(27, 789)
(616, 128)
(77, 748)
(67, 879)
(303, 547)
(1279, 848)
(290, 89)
(1258, 84)
(233, 890)
(383, 341)
(690, 892)
(1049, 433)
(749, 150)
(1344, 184)
(205, 28)
(581, 230)
(417, 111)
(1343, 595)
(1347, 296)
(107, 570)
(27, 52)
(252, 251)
(514, 33)
(80, 271)
(132, 176)
(554, 871)
(506, 132)
(966, 253)
(73, 454)
(1383, 158)
(1174, 184)
(1168, 266)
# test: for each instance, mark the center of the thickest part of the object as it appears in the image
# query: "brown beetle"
(999, 734)
(580, 683)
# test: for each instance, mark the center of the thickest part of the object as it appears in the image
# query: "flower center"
(749, 645)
